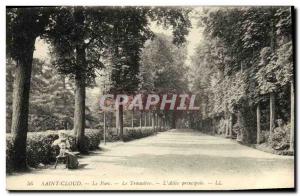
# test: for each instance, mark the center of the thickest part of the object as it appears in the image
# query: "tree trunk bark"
(292, 117)
(240, 121)
(121, 122)
(132, 116)
(141, 117)
(230, 125)
(111, 117)
(226, 118)
(20, 109)
(173, 125)
(226, 125)
(153, 121)
(145, 120)
(79, 113)
(104, 128)
(258, 124)
(213, 127)
(65, 122)
(150, 118)
(159, 123)
(156, 122)
(272, 112)
(118, 120)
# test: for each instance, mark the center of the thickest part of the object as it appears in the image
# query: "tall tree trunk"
(258, 124)
(104, 128)
(213, 126)
(153, 121)
(230, 125)
(65, 121)
(141, 117)
(159, 123)
(173, 125)
(240, 121)
(20, 108)
(156, 122)
(164, 122)
(272, 112)
(226, 118)
(150, 118)
(145, 120)
(292, 117)
(79, 112)
(111, 117)
(121, 122)
(226, 125)
(118, 120)
(132, 116)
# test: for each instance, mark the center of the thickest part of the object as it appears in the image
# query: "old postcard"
(147, 98)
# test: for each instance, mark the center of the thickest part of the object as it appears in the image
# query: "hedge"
(39, 148)
(131, 133)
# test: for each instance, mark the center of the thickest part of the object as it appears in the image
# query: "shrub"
(279, 140)
(9, 151)
(130, 133)
(39, 148)
(137, 132)
(93, 137)
(264, 136)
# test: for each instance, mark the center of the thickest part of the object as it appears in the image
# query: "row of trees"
(243, 70)
(162, 70)
(81, 39)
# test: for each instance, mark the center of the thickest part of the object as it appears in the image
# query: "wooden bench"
(64, 158)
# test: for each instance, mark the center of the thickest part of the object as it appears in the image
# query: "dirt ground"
(179, 159)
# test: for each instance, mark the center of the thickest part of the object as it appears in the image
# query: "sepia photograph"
(150, 98)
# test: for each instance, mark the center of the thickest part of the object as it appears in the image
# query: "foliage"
(162, 66)
(51, 97)
(247, 54)
(279, 140)
(130, 32)
(163, 69)
(257, 70)
(23, 26)
(71, 29)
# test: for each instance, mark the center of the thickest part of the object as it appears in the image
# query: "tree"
(276, 66)
(242, 64)
(162, 68)
(52, 99)
(126, 41)
(285, 60)
(9, 92)
(77, 36)
(131, 30)
(24, 25)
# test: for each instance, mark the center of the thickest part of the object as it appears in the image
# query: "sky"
(195, 35)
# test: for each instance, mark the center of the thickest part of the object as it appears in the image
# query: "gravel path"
(178, 159)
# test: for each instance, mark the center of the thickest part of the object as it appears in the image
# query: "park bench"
(64, 159)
